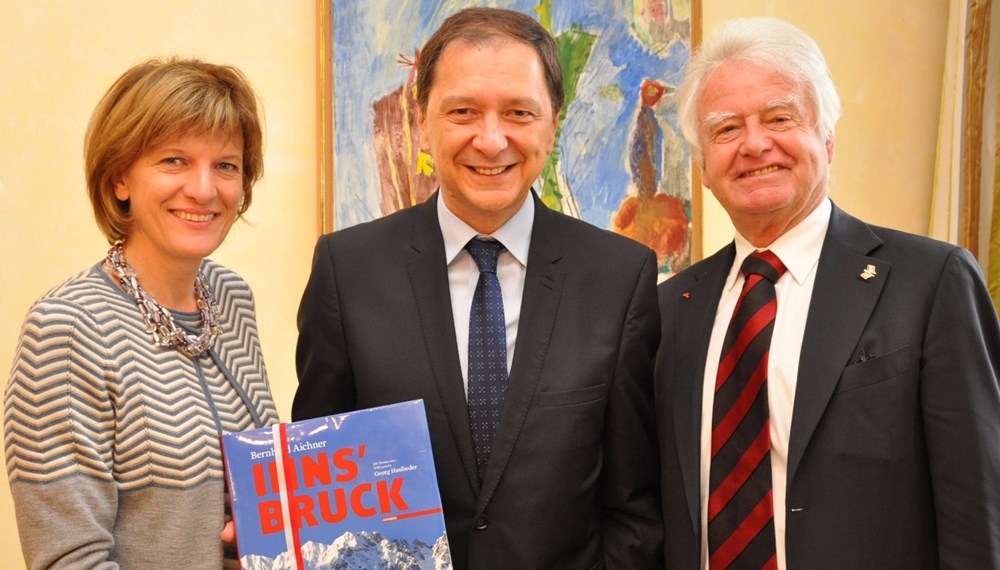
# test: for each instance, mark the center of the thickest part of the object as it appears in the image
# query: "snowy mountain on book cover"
(349, 491)
(364, 551)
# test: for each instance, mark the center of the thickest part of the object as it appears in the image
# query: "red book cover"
(349, 491)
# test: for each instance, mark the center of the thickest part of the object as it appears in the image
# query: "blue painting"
(620, 161)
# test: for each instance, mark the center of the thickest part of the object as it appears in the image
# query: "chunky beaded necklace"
(159, 321)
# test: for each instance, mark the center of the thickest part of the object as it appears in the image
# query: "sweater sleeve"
(58, 438)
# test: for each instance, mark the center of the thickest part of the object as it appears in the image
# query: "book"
(356, 490)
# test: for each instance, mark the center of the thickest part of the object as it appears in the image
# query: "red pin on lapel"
(686, 294)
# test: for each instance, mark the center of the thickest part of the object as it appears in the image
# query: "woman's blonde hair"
(159, 100)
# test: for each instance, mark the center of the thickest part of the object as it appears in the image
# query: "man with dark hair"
(529, 335)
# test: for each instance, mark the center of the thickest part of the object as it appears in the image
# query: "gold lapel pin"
(869, 272)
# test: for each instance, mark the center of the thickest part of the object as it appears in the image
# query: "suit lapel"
(693, 318)
(842, 302)
(542, 290)
(839, 309)
(428, 273)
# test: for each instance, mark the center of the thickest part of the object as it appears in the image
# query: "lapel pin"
(686, 294)
(869, 272)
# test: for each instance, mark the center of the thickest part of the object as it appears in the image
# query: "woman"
(127, 374)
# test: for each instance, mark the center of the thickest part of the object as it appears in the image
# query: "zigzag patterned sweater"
(112, 444)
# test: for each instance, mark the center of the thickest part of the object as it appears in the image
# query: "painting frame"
(326, 131)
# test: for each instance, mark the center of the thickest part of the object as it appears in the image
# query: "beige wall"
(59, 57)
(886, 59)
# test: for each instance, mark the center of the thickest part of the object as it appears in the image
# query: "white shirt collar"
(515, 234)
(798, 248)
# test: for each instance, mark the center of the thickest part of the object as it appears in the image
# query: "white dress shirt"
(463, 274)
(799, 250)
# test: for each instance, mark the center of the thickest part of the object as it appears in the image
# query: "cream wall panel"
(886, 59)
(58, 58)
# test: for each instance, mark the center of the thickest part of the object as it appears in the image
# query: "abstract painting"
(620, 161)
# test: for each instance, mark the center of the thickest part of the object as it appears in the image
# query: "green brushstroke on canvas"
(575, 46)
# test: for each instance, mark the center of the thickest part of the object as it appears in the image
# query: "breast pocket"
(571, 397)
(877, 370)
(572, 422)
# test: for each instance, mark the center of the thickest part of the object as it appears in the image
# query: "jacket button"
(482, 522)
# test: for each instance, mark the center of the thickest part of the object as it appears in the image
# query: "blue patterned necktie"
(487, 350)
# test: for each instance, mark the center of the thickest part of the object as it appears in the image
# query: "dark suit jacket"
(572, 478)
(894, 454)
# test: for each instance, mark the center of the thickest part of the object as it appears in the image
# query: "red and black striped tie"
(740, 508)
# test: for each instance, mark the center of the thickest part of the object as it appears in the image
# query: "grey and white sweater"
(112, 444)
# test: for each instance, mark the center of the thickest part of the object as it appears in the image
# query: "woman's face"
(183, 196)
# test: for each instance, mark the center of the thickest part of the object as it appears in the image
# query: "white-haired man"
(833, 402)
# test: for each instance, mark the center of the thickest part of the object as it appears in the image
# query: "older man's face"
(765, 159)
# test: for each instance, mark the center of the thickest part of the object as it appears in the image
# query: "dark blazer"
(572, 480)
(894, 454)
